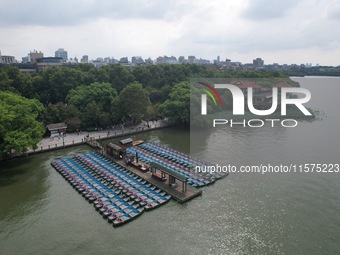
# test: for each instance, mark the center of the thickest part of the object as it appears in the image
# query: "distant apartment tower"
(61, 53)
(44, 63)
(137, 60)
(100, 60)
(33, 56)
(124, 61)
(160, 60)
(258, 63)
(148, 61)
(166, 60)
(181, 59)
(24, 60)
(84, 59)
(171, 60)
(202, 61)
(227, 63)
(192, 59)
(7, 59)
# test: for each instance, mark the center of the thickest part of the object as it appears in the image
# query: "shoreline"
(74, 139)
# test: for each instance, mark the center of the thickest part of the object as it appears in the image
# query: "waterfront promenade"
(73, 139)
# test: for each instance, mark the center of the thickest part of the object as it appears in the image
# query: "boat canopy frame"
(172, 174)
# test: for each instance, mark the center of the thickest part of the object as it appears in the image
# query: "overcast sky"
(281, 31)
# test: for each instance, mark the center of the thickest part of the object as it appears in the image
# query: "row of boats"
(118, 194)
(181, 158)
(176, 161)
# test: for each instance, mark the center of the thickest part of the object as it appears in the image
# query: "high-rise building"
(33, 56)
(258, 63)
(24, 60)
(160, 60)
(172, 60)
(181, 59)
(124, 61)
(7, 59)
(166, 60)
(148, 61)
(202, 61)
(61, 53)
(137, 60)
(84, 59)
(227, 62)
(192, 60)
(45, 63)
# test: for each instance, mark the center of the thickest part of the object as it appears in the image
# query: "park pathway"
(72, 139)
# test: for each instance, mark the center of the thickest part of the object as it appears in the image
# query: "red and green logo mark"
(210, 91)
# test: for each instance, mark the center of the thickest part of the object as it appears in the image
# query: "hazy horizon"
(284, 32)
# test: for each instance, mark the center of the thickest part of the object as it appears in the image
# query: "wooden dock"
(175, 192)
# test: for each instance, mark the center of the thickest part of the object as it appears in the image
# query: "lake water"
(295, 213)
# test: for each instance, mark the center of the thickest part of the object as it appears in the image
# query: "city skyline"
(61, 57)
(284, 32)
(162, 59)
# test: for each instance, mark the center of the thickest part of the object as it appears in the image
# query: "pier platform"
(175, 192)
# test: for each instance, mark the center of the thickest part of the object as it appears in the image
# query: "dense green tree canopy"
(177, 107)
(119, 76)
(134, 101)
(19, 125)
(101, 93)
(86, 96)
(5, 82)
(98, 102)
(62, 112)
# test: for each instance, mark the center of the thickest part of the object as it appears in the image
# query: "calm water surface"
(40, 213)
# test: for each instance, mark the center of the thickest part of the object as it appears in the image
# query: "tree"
(6, 82)
(104, 102)
(152, 112)
(119, 76)
(61, 112)
(19, 125)
(102, 93)
(177, 107)
(155, 96)
(142, 75)
(57, 82)
(94, 116)
(134, 101)
(116, 113)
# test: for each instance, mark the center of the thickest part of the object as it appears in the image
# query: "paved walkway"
(79, 138)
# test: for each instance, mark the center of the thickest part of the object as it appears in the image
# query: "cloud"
(73, 12)
(268, 9)
(333, 11)
(240, 35)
